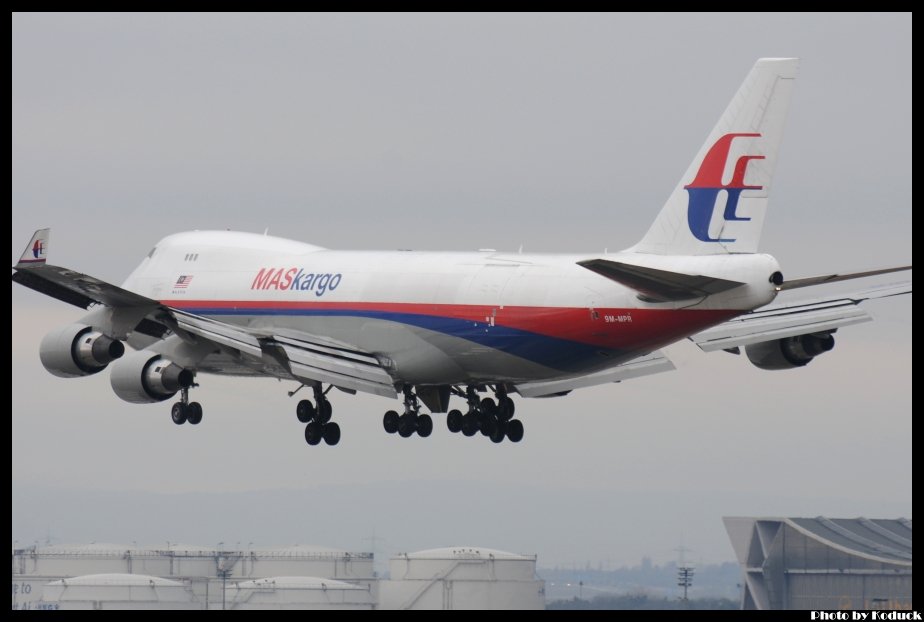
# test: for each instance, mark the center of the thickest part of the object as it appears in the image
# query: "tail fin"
(705, 215)
(36, 249)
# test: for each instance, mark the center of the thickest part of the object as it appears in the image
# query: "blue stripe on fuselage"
(552, 352)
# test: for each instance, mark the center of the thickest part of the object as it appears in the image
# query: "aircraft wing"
(308, 358)
(653, 363)
(794, 318)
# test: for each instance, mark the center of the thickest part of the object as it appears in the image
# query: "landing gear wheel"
(469, 424)
(324, 411)
(314, 431)
(515, 430)
(194, 413)
(178, 413)
(454, 421)
(499, 432)
(488, 426)
(505, 409)
(488, 406)
(406, 425)
(424, 426)
(390, 422)
(331, 433)
(304, 411)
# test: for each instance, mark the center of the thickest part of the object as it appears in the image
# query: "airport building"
(111, 576)
(823, 563)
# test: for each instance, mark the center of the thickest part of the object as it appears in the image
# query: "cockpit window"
(151, 254)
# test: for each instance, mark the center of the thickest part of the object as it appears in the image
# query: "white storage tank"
(201, 567)
(118, 591)
(299, 593)
(462, 578)
(312, 561)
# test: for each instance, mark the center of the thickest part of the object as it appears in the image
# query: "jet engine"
(790, 352)
(78, 350)
(145, 377)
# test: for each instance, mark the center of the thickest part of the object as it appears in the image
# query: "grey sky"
(560, 133)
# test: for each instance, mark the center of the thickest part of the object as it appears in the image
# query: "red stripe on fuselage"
(605, 328)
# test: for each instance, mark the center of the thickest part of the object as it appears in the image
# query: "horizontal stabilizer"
(659, 285)
(833, 278)
(646, 365)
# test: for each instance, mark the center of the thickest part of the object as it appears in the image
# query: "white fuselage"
(442, 317)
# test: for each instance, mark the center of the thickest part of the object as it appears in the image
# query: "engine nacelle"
(145, 377)
(78, 350)
(790, 352)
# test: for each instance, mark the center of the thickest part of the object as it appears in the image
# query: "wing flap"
(653, 363)
(219, 332)
(343, 369)
(659, 285)
(314, 362)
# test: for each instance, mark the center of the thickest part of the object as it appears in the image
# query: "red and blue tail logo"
(38, 249)
(704, 189)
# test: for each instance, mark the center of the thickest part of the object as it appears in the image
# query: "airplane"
(426, 327)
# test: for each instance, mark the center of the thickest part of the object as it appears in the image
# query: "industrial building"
(176, 576)
(823, 563)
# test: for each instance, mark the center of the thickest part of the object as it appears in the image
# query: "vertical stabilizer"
(720, 202)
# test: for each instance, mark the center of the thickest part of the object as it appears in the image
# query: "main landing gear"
(317, 416)
(493, 419)
(411, 421)
(185, 411)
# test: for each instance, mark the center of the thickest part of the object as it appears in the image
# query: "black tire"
(424, 426)
(499, 433)
(194, 413)
(314, 432)
(406, 425)
(515, 430)
(488, 426)
(488, 406)
(304, 411)
(506, 409)
(178, 413)
(332, 433)
(390, 422)
(324, 412)
(454, 421)
(469, 424)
